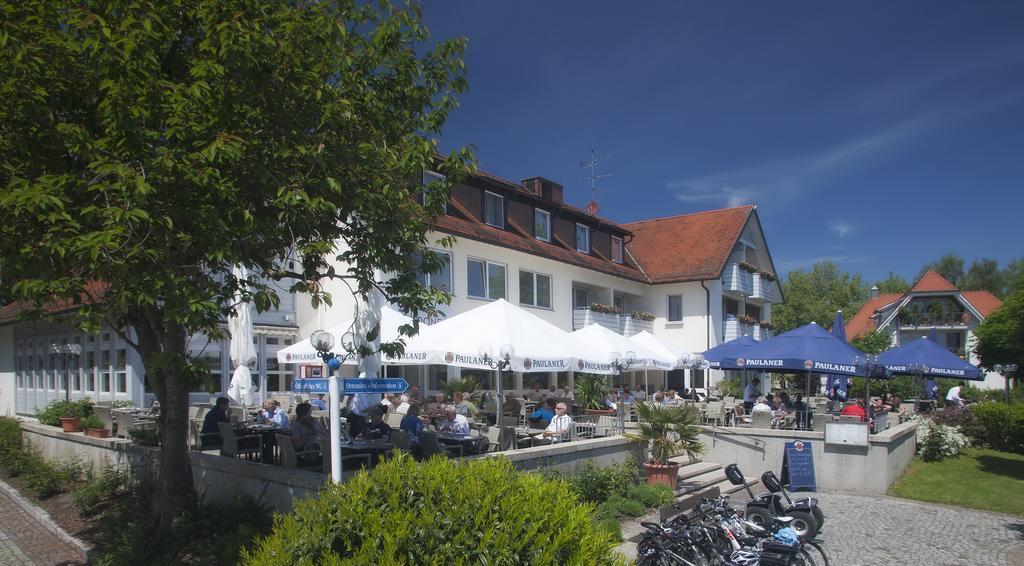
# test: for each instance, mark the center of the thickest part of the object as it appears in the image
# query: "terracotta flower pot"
(599, 411)
(71, 424)
(97, 432)
(663, 474)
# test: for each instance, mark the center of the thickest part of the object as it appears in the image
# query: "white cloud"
(840, 227)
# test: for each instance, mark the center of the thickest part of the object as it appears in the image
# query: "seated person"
(273, 414)
(413, 423)
(627, 397)
(437, 404)
(785, 400)
(853, 408)
(761, 406)
(462, 406)
(739, 415)
(672, 398)
(535, 395)
(511, 406)
(800, 408)
(607, 403)
(659, 398)
(210, 434)
(375, 427)
(558, 430)
(306, 433)
(551, 393)
(877, 406)
(318, 403)
(545, 413)
(454, 423)
(567, 393)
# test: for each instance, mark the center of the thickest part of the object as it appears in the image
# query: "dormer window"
(616, 249)
(542, 224)
(494, 209)
(582, 238)
(431, 177)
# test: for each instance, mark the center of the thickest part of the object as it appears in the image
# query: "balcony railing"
(931, 319)
(621, 323)
(733, 328)
(737, 279)
(762, 333)
(766, 289)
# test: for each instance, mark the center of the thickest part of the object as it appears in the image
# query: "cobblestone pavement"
(25, 541)
(882, 531)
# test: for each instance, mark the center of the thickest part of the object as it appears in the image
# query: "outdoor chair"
(429, 446)
(605, 426)
(394, 420)
(510, 421)
(493, 435)
(233, 448)
(761, 420)
(714, 413)
(850, 419)
(401, 439)
(127, 422)
(292, 458)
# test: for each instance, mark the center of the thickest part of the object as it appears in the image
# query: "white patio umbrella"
(391, 320)
(242, 352)
(643, 358)
(499, 327)
(666, 350)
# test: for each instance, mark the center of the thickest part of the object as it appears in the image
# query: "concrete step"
(696, 469)
(700, 482)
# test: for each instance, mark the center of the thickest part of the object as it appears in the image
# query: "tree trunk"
(163, 353)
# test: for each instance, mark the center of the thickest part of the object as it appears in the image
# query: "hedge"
(1002, 425)
(438, 512)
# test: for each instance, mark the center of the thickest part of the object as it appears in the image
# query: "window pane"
(494, 213)
(495, 281)
(526, 288)
(675, 308)
(582, 238)
(580, 298)
(542, 225)
(475, 273)
(617, 250)
(443, 278)
(544, 291)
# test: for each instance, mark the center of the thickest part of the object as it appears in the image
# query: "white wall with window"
(485, 279)
(534, 289)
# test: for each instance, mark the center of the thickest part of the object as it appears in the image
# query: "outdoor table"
(268, 439)
(373, 448)
(470, 444)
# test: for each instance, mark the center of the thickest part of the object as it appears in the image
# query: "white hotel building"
(705, 277)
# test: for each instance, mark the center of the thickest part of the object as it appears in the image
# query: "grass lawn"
(979, 478)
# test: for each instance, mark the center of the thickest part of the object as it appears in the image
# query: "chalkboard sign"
(798, 466)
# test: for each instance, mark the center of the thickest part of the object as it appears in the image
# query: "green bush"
(650, 495)
(10, 437)
(109, 483)
(625, 506)
(438, 512)
(595, 484)
(48, 479)
(51, 414)
(92, 421)
(1002, 425)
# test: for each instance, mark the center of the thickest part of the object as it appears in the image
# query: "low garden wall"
(868, 469)
(220, 479)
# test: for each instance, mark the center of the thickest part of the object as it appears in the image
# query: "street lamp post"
(501, 364)
(691, 362)
(323, 341)
(620, 364)
(870, 364)
(1005, 370)
(915, 371)
(68, 352)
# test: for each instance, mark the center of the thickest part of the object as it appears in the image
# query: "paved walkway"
(882, 531)
(24, 538)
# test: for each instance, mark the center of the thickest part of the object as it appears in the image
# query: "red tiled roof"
(93, 294)
(982, 301)
(932, 281)
(489, 234)
(689, 247)
(862, 322)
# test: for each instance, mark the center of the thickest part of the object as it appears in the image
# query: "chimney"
(874, 292)
(545, 189)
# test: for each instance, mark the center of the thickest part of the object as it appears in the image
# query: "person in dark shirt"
(803, 417)
(210, 435)
(376, 427)
(413, 424)
(544, 414)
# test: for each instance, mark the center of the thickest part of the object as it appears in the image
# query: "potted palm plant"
(667, 431)
(590, 391)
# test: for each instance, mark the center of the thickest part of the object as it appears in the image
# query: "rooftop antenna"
(592, 164)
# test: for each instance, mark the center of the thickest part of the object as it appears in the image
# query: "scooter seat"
(784, 519)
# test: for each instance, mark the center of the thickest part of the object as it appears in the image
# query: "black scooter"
(807, 518)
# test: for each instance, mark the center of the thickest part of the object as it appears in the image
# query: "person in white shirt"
(558, 430)
(567, 393)
(319, 403)
(953, 398)
(627, 397)
(273, 414)
(454, 423)
(750, 394)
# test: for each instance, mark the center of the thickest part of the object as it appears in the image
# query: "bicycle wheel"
(815, 550)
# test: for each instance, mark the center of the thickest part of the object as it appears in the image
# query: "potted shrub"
(144, 436)
(94, 427)
(74, 411)
(667, 431)
(590, 391)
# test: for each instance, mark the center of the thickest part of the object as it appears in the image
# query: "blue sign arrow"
(309, 386)
(374, 385)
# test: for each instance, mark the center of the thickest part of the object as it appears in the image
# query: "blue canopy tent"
(839, 382)
(923, 357)
(732, 348)
(809, 348)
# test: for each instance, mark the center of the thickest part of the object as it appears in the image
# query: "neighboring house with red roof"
(933, 305)
(693, 280)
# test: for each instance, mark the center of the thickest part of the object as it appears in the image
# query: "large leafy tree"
(148, 147)
(999, 339)
(984, 275)
(894, 283)
(816, 295)
(950, 266)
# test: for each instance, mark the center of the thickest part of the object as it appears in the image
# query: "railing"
(929, 319)
(620, 323)
(762, 333)
(733, 328)
(765, 289)
(737, 279)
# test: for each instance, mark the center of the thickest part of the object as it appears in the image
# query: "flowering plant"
(642, 315)
(768, 276)
(748, 267)
(606, 309)
(747, 319)
(937, 441)
(767, 325)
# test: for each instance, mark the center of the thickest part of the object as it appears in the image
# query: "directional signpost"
(309, 385)
(352, 385)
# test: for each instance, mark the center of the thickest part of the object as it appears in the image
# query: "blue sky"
(879, 135)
